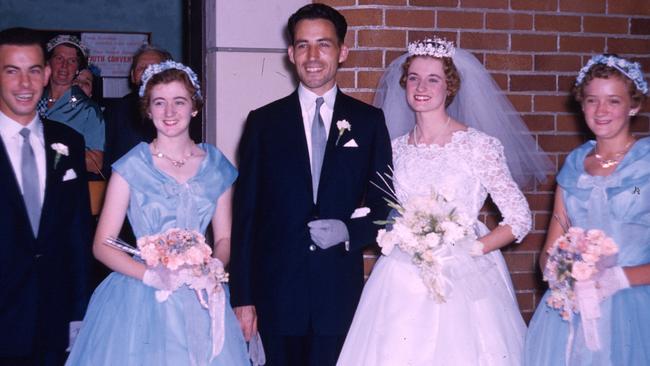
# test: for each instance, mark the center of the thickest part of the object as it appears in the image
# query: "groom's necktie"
(318, 142)
(31, 194)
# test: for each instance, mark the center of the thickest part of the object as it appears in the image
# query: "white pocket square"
(351, 143)
(360, 212)
(69, 175)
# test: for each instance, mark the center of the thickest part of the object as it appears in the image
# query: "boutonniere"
(61, 150)
(342, 125)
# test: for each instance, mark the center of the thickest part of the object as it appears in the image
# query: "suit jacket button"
(312, 247)
(37, 256)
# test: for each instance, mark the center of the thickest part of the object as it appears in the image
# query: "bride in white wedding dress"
(448, 150)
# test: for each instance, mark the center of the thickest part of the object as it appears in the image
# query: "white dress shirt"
(308, 106)
(13, 141)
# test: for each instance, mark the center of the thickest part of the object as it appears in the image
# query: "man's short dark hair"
(20, 36)
(318, 11)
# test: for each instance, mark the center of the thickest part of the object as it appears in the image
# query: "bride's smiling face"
(426, 85)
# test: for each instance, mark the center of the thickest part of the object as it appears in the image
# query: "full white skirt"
(397, 323)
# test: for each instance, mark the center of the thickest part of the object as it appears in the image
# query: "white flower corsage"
(342, 126)
(61, 149)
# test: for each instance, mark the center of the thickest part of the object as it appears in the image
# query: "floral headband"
(631, 70)
(436, 47)
(67, 39)
(167, 65)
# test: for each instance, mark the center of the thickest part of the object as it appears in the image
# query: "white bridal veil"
(480, 104)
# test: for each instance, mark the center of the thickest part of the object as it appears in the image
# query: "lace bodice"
(465, 170)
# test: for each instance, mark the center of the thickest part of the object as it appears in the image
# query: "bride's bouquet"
(428, 228)
(578, 255)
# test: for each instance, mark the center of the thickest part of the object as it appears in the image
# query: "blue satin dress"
(124, 324)
(618, 204)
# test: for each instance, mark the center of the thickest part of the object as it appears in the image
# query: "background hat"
(67, 39)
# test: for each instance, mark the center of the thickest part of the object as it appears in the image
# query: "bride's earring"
(632, 113)
(194, 113)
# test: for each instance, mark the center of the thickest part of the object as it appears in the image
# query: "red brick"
(363, 59)
(522, 103)
(381, 38)
(507, 21)
(588, 6)
(565, 83)
(365, 97)
(639, 26)
(501, 80)
(532, 82)
(557, 23)
(573, 123)
(552, 103)
(520, 262)
(526, 281)
(542, 221)
(526, 301)
(560, 143)
(582, 44)
(540, 201)
(605, 25)
(484, 41)
(542, 5)
(508, 62)
(533, 42)
(631, 7)
(557, 63)
(335, 3)
(382, 2)
(539, 122)
(362, 17)
(368, 79)
(628, 45)
(487, 4)
(532, 242)
(549, 184)
(417, 35)
(392, 55)
(410, 18)
(345, 79)
(436, 3)
(460, 19)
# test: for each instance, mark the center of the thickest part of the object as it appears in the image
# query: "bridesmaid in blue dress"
(170, 183)
(604, 184)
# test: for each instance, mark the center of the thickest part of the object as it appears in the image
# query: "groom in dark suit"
(304, 203)
(44, 213)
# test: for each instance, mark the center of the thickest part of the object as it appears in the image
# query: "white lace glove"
(163, 280)
(472, 247)
(329, 232)
(610, 281)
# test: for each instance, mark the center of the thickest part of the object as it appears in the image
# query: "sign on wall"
(113, 52)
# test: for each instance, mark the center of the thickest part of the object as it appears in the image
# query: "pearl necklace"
(608, 163)
(177, 163)
(416, 141)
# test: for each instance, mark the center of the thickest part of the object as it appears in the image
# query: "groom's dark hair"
(19, 36)
(318, 11)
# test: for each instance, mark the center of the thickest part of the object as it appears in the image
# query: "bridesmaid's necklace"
(608, 163)
(177, 163)
(416, 141)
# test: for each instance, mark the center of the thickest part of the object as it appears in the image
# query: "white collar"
(308, 97)
(10, 128)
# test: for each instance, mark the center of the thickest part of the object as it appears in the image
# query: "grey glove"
(328, 232)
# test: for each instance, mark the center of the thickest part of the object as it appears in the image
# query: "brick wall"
(533, 48)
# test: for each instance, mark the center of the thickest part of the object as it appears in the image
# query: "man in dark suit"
(44, 213)
(304, 203)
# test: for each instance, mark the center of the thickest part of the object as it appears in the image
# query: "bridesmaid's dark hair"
(166, 77)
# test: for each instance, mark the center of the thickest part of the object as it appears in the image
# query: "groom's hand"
(329, 232)
(247, 317)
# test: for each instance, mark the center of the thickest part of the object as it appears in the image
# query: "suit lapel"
(10, 182)
(51, 182)
(297, 137)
